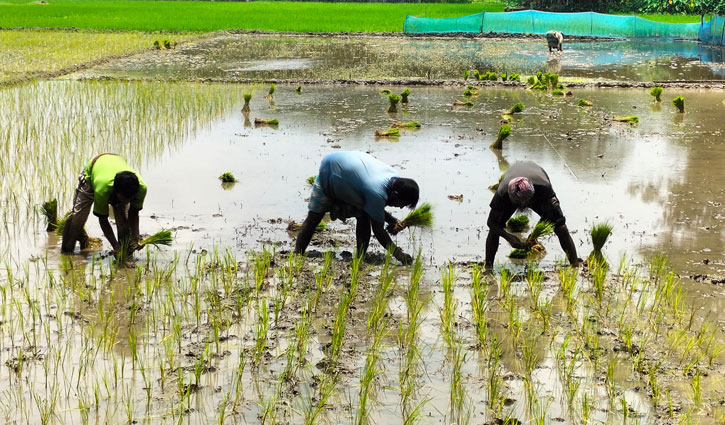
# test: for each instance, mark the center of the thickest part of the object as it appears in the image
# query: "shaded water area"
(244, 56)
(174, 337)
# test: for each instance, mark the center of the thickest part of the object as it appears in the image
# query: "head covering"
(520, 190)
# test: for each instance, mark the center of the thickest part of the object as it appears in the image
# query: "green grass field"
(210, 16)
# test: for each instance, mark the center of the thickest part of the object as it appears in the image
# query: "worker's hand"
(402, 257)
(133, 245)
(395, 228)
(519, 243)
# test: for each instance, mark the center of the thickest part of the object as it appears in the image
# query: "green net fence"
(713, 31)
(578, 24)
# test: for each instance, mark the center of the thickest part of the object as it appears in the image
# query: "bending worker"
(526, 185)
(354, 184)
(106, 180)
(554, 39)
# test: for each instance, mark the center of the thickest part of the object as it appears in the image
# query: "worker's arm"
(496, 225)
(133, 223)
(394, 225)
(108, 233)
(382, 236)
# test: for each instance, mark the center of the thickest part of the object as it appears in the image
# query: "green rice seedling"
(494, 382)
(274, 122)
(386, 92)
(532, 80)
(312, 409)
(50, 211)
(298, 90)
(490, 76)
(462, 103)
(476, 74)
(503, 76)
(504, 282)
(168, 44)
(157, 45)
(392, 132)
(518, 107)
(514, 77)
(228, 177)
(633, 119)
(460, 406)
(479, 304)
(321, 226)
(419, 217)
(162, 237)
(557, 92)
(503, 133)
(541, 229)
(394, 99)
(404, 96)
(468, 92)
(535, 283)
(270, 93)
(599, 233)
(551, 79)
(584, 103)
(406, 124)
(322, 279)
(448, 310)
(247, 97)
(518, 223)
(679, 103)
(656, 92)
(311, 180)
(466, 74)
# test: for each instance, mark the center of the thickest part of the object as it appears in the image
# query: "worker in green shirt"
(106, 180)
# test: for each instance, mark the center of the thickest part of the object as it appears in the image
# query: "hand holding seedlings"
(355, 184)
(526, 185)
(106, 180)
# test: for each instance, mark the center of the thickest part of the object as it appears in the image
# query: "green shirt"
(101, 175)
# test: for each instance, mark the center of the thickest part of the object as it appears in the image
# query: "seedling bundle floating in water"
(656, 92)
(503, 133)
(631, 119)
(406, 124)
(462, 103)
(679, 103)
(228, 177)
(518, 107)
(542, 228)
(584, 102)
(391, 132)
(420, 217)
(394, 99)
(404, 95)
(274, 122)
(162, 237)
(599, 233)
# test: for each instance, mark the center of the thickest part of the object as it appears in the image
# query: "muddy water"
(236, 56)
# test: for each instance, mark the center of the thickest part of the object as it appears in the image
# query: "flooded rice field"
(227, 326)
(293, 57)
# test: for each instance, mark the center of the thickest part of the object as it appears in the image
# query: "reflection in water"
(235, 56)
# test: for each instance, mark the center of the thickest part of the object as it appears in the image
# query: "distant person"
(106, 180)
(355, 184)
(555, 39)
(526, 185)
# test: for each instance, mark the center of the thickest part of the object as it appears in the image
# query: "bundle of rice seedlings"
(461, 103)
(404, 95)
(518, 107)
(490, 76)
(584, 102)
(385, 91)
(503, 133)
(406, 124)
(470, 92)
(392, 132)
(247, 98)
(532, 80)
(311, 180)
(557, 92)
(503, 76)
(228, 177)
(320, 226)
(466, 74)
(394, 99)
(157, 45)
(517, 223)
(514, 77)
(560, 86)
(50, 210)
(542, 228)
(551, 79)
(477, 75)
(270, 93)
(274, 122)
(631, 119)
(167, 44)
(656, 92)
(599, 233)
(518, 253)
(162, 237)
(420, 217)
(679, 102)
(298, 90)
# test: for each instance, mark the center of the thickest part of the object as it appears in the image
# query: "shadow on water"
(235, 56)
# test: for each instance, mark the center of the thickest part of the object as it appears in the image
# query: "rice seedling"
(514, 77)
(630, 119)
(298, 90)
(462, 103)
(541, 229)
(406, 124)
(157, 45)
(503, 133)
(470, 91)
(557, 92)
(584, 103)
(270, 93)
(494, 384)
(393, 99)
(247, 97)
(518, 107)
(404, 96)
(656, 92)
(162, 237)
(50, 211)
(476, 74)
(466, 74)
(274, 122)
(389, 133)
(419, 217)
(228, 177)
(679, 103)
(517, 223)
(600, 233)
(311, 180)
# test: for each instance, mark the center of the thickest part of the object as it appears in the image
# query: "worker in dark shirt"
(526, 185)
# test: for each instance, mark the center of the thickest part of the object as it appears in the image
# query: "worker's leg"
(491, 249)
(362, 234)
(73, 230)
(308, 229)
